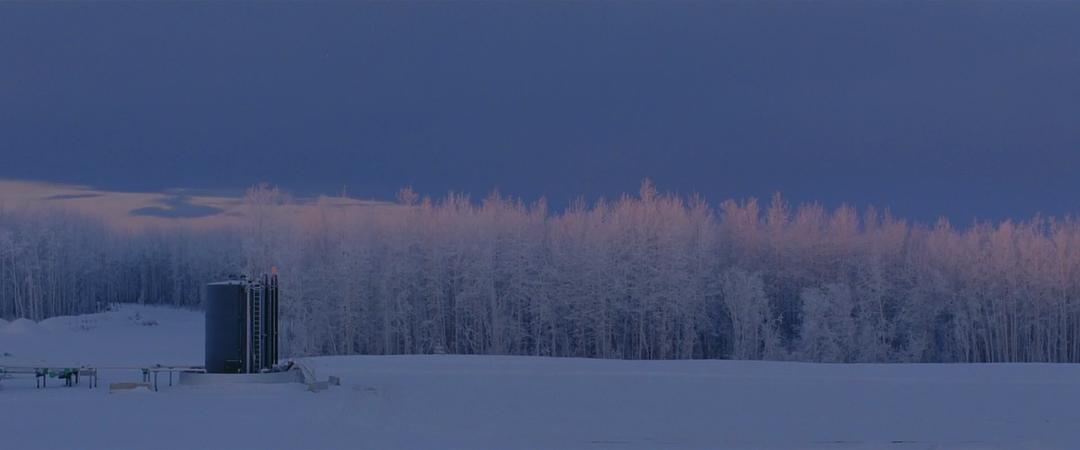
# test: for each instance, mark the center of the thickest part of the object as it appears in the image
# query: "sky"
(951, 109)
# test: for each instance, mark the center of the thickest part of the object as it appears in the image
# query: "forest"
(648, 276)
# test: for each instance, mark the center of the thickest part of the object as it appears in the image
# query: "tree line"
(55, 262)
(647, 276)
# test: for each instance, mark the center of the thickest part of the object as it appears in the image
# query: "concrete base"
(117, 387)
(195, 378)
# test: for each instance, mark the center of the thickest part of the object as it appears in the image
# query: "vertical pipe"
(274, 320)
(264, 311)
(247, 327)
(262, 325)
(269, 314)
(256, 351)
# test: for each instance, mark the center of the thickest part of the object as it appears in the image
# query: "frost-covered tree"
(651, 275)
(747, 308)
(828, 324)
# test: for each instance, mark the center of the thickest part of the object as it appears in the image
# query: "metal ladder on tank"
(257, 332)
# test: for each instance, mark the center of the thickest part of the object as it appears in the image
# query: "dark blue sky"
(956, 109)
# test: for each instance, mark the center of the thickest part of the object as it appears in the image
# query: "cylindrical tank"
(225, 326)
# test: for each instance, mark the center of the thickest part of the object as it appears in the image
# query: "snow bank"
(21, 327)
(131, 335)
(395, 402)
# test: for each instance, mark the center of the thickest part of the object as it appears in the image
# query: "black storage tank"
(242, 325)
(226, 316)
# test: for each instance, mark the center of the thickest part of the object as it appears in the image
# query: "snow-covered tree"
(651, 275)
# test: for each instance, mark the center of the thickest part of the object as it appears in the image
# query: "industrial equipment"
(242, 325)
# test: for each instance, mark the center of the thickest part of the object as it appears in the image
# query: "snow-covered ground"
(519, 402)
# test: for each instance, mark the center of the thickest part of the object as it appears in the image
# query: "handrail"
(83, 366)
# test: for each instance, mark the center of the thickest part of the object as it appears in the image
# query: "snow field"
(512, 402)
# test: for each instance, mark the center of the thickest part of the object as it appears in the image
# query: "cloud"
(177, 207)
(71, 196)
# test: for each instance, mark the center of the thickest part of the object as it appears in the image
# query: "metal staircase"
(261, 324)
